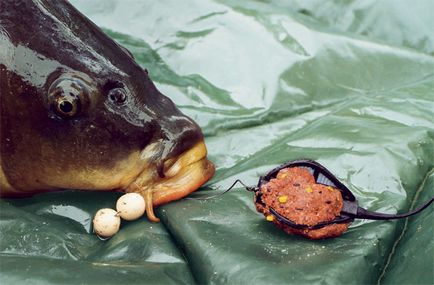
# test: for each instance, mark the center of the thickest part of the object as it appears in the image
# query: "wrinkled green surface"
(406, 267)
(347, 83)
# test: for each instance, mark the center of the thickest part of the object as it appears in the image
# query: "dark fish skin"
(46, 45)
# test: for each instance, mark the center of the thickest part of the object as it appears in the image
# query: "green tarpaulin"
(347, 83)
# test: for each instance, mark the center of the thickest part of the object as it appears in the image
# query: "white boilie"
(131, 206)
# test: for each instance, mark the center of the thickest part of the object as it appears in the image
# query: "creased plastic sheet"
(347, 83)
(413, 257)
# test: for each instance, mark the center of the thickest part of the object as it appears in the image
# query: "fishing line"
(248, 188)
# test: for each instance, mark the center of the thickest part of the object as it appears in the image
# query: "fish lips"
(182, 176)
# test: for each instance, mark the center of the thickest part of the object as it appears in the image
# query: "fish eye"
(67, 107)
(66, 96)
(117, 95)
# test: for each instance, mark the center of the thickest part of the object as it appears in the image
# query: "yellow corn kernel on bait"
(270, 218)
(309, 190)
(283, 199)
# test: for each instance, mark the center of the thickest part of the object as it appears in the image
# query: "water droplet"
(282, 36)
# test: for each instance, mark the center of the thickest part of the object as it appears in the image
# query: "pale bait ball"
(131, 206)
(106, 222)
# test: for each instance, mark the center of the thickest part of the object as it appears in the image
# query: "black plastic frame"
(350, 209)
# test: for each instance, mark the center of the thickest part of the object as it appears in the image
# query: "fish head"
(78, 112)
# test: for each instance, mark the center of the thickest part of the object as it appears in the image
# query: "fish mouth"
(182, 176)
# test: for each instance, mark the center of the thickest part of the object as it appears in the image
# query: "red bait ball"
(295, 195)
